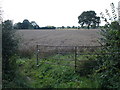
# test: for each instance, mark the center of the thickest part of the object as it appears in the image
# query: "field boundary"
(74, 54)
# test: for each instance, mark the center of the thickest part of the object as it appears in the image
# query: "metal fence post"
(37, 55)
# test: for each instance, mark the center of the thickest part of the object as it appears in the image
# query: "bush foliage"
(9, 48)
(108, 70)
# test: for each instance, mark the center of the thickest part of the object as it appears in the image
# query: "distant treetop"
(89, 19)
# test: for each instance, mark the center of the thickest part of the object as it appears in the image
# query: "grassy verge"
(53, 76)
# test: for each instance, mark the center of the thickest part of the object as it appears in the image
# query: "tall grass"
(26, 51)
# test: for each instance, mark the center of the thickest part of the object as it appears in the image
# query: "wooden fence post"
(75, 57)
(37, 55)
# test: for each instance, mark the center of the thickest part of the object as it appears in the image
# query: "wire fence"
(73, 56)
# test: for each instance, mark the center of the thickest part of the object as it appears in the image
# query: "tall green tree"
(34, 25)
(26, 24)
(89, 18)
(18, 25)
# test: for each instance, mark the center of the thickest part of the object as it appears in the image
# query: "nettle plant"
(109, 64)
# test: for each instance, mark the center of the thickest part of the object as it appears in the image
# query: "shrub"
(109, 64)
(108, 70)
(86, 67)
(9, 48)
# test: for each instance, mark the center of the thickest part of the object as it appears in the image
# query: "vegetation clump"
(108, 70)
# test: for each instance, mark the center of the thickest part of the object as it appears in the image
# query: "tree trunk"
(88, 26)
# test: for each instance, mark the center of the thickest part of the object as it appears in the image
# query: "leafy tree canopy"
(89, 18)
(26, 24)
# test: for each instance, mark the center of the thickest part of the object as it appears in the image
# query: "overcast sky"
(52, 12)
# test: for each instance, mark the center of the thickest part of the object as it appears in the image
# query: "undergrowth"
(53, 76)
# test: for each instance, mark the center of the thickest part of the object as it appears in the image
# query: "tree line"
(26, 24)
(87, 20)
